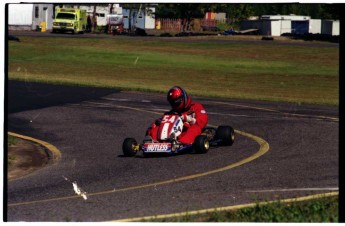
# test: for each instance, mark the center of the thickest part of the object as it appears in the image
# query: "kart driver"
(193, 114)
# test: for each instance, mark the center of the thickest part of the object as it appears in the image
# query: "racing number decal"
(166, 125)
(169, 118)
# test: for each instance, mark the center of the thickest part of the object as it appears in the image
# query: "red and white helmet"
(178, 99)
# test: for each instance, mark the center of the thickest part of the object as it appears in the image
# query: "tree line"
(242, 11)
(235, 11)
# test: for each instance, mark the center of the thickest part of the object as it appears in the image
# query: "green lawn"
(316, 211)
(218, 69)
(10, 142)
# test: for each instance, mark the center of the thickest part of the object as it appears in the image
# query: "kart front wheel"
(201, 144)
(130, 147)
(226, 134)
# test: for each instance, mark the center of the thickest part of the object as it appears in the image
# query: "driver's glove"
(158, 121)
(188, 118)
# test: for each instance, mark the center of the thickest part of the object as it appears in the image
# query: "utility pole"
(94, 19)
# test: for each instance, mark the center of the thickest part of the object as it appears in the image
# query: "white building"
(330, 27)
(268, 27)
(284, 17)
(301, 27)
(139, 18)
(276, 25)
(29, 16)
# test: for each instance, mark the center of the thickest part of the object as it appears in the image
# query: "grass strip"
(320, 210)
(10, 142)
(300, 74)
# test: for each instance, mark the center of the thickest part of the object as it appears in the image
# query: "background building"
(276, 25)
(30, 16)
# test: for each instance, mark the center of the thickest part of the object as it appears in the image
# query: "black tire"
(128, 147)
(201, 144)
(226, 134)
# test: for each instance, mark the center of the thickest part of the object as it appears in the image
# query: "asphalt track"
(281, 150)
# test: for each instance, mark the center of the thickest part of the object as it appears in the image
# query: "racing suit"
(195, 119)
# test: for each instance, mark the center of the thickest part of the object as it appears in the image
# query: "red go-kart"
(170, 128)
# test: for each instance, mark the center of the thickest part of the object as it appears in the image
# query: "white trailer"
(20, 14)
(43, 16)
(150, 18)
(101, 13)
(268, 27)
(315, 26)
(281, 24)
(143, 18)
(285, 26)
(312, 26)
(126, 20)
(30, 16)
(330, 27)
(284, 17)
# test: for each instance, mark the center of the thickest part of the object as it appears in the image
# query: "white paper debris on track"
(77, 189)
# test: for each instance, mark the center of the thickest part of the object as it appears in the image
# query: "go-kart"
(170, 127)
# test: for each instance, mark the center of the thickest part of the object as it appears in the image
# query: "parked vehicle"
(70, 20)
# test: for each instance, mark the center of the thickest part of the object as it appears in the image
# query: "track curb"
(54, 154)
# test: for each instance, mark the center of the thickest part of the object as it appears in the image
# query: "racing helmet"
(178, 99)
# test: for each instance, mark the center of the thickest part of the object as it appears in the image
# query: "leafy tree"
(315, 11)
(330, 11)
(241, 11)
(186, 11)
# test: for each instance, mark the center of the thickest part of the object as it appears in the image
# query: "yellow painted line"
(276, 111)
(226, 208)
(264, 147)
(54, 151)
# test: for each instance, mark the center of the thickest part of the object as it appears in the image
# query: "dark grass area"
(316, 211)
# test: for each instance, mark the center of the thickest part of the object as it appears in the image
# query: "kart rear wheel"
(129, 147)
(226, 134)
(201, 144)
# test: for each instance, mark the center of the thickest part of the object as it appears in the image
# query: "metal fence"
(181, 24)
(170, 24)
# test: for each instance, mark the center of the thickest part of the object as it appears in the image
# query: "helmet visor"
(176, 102)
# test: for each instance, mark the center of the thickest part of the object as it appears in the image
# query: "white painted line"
(234, 115)
(318, 117)
(116, 99)
(160, 109)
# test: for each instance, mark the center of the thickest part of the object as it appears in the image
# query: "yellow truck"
(69, 19)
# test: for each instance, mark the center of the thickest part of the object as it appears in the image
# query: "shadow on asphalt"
(23, 96)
